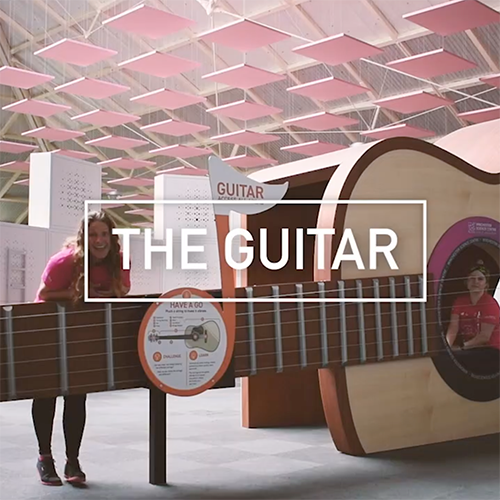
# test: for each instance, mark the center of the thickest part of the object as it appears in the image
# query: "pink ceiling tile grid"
(413, 102)
(22, 78)
(338, 49)
(313, 148)
(328, 89)
(106, 118)
(175, 127)
(148, 22)
(245, 138)
(74, 52)
(321, 121)
(493, 80)
(36, 108)
(132, 181)
(454, 16)
(168, 99)
(434, 63)
(244, 76)
(158, 64)
(127, 163)
(53, 134)
(401, 130)
(80, 155)
(244, 35)
(116, 142)
(184, 171)
(141, 211)
(180, 151)
(245, 110)
(16, 166)
(16, 147)
(482, 115)
(90, 87)
(246, 161)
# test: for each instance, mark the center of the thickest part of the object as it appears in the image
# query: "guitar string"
(269, 306)
(289, 295)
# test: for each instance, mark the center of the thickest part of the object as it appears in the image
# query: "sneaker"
(73, 473)
(47, 470)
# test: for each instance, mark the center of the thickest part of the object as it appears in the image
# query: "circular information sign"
(183, 345)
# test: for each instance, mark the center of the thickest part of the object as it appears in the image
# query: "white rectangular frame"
(266, 299)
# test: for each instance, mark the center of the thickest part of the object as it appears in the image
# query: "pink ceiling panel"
(245, 161)
(80, 155)
(338, 49)
(16, 166)
(132, 181)
(245, 138)
(168, 99)
(245, 110)
(108, 190)
(141, 211)
(184, 171)
(175, 127)
(106, 118)
(414, 102)
(53, 134)
(493, 80)
(74, 52)
(36, 108)
(23, 182)
(244, 35)
(16, 147)
(180, 151)
(22, 78)
(143, 224)
(328, 89)
(127, 163)
(313, 148)
(135, 197)
(116, 142)
(321, 121)
(482, 115)
(401, 130)
(90, 87)
(161, 65)
(454, 16)
(244, 76)
(148, 22)
(434, 63)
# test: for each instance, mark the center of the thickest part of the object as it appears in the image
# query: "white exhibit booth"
(59, 187)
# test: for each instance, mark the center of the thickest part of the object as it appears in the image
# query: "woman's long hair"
(112, 262)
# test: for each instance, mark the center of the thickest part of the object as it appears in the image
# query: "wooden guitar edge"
(337, 409)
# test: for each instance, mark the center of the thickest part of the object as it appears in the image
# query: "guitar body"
(398, 402)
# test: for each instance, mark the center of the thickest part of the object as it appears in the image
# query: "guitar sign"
(184, 347)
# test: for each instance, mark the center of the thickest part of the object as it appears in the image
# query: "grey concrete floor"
(210, 456)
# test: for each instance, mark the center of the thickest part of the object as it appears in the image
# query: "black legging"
(74, 416)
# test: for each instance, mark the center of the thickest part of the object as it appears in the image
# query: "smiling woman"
(63, 279)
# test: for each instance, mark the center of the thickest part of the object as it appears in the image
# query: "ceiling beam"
(483, 51)
(22, 216)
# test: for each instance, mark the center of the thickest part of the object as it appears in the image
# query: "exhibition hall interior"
(250, 249)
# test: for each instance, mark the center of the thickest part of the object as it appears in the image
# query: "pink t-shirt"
(60, 269)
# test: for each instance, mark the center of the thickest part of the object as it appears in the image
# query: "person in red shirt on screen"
(63, 279)
(475, 316)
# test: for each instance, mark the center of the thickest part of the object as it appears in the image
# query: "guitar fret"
(343, 325)
(323, 325)
(394, 319)
(109, 346)
(9, 338)
(361, 322)
(251, 331)
(302, 326)
(409, 319)
(378, 320)
(63, 353)
(423, 317)
(277, 330)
